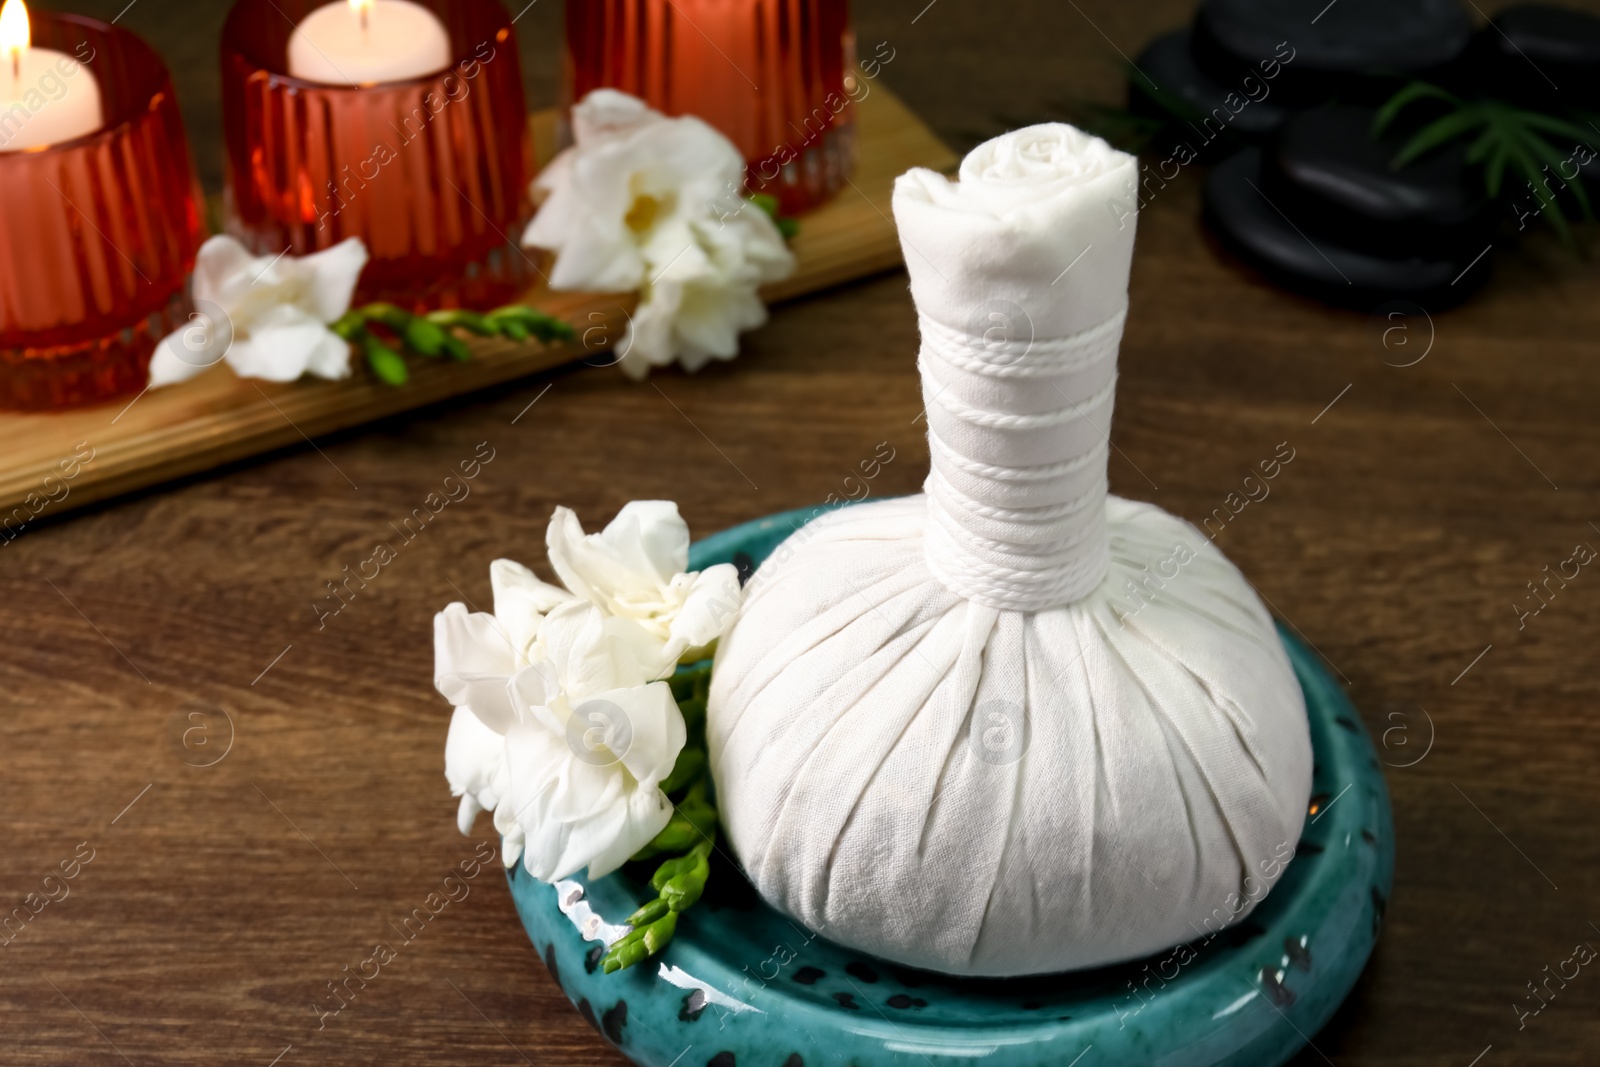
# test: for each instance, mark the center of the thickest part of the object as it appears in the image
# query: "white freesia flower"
(642, 202)
(267, 316)
(590, 746)
(636, 569)
(475, 657)
(563, 727)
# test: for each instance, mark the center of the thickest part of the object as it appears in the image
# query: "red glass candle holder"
(98, 233)
(770, 74)
(431, 172)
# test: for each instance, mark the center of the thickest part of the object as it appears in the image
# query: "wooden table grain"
(195, 900)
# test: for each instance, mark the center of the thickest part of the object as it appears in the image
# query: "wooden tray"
(217, 418)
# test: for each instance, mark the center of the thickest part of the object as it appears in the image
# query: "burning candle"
(45, 96)
(362, 42)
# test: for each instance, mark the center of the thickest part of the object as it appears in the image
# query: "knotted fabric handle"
(1019, 271)
(1017, 431)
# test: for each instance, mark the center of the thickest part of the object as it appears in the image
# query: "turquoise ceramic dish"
(742, 986)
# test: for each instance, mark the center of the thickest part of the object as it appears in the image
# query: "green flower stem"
(430, 334)
(687, 839)
(683, 888)
(640, 943)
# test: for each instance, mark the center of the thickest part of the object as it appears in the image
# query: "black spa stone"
(1251, 226)
(1541, 56)
(1214, 114)
(1327, 173)
(1325, 47)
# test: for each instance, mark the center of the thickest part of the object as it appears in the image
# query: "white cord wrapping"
(1017, 431)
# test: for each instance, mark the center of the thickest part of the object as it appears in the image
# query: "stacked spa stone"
(1284, 94)
(1245, 66)
(1319, 206)
(1320, 209)
(1541, 56)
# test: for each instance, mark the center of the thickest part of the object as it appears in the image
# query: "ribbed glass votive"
(431, 172)
(770, 74)
(98, 233)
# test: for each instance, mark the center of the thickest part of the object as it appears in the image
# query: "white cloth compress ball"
(1013, 725)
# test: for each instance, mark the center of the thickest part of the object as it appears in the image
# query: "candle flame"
(15, 34)
(362, 8)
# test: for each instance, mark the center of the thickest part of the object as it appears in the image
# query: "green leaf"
(1552, 158)
(788, 227)
(1438, 132)
(686, 681)
(1558, 126)
(691, 764)
(1417, 90)
(1525, 165)
(1485, 143)
(766, 202)
(1494, 170)
(693, 823)
(385, 362)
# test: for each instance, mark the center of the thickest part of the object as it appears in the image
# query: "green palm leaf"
(1504, 138)
(1407, 96)
(1439, 132)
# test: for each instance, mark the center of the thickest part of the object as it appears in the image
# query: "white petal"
(610, 113)
(172, 361)
(521, 600)
(511, 847)
(277, 353)
(331, 358)
(334, 273)
(564, 542)
(712, 317)
(534, 690)
(709, 608)
(592, 653)
(472, 756)
(565, 807)
(648, 813)
(634, 556)
(220, 260)
(467, 812)
(473, 664)
(648, 537)
(656, 731)
(649, 341)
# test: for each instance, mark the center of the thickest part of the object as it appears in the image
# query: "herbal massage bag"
(1012, 725)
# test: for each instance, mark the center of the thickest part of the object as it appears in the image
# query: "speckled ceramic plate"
(741, 986)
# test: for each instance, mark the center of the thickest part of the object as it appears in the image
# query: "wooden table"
(220, 900)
